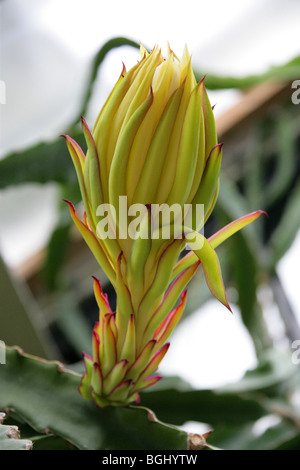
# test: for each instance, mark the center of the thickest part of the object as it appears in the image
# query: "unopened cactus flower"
(153, 145)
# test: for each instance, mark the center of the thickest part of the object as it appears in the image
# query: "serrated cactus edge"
(10, 437)
(45, 395)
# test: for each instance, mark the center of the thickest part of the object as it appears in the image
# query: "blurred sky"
(46, 51)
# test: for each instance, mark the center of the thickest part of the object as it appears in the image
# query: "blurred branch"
(287, 228)
(99, 58)
(286, 144)
(287, 314)
(283, 73)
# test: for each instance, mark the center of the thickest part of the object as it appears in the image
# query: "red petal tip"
(229, 308)
(123, 69)
(70, 203)
(263, 212)
(87, 356)
(83, 121)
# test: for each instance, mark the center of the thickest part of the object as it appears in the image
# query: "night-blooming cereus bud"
(149, 180)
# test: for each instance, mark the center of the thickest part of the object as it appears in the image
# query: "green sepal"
(85, 388)
(211, 139)
(211, 267)
(150, 178)
(118, 169)
(115, 376)
(129, 347)
(97, 379)
(141, 361)
(188, 151)
(209, 183)
(170, 299)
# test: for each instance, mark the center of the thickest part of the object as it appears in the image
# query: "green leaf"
(39, 441)
(207, 406)
(235, 404)
(60, 240)
(51, 442)
(43, 163)
(46, 397)
(56, 254)
(245, 281)
(280, 436)
(274, 368)
(73, 324)
(10, 437)
(244, 250)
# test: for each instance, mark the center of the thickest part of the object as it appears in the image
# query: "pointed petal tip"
(97, 281)
(87, 357)
(218, 147)
(255, 214)
(70, 204)
(83, 121)
(68, 139)
(229, 308)
(123, 73)
(202, 79)
(154, 378)
(261, 212)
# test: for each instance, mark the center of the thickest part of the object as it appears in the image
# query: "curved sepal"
(215, 240)
(211, 267)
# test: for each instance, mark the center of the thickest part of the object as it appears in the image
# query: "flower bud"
(153, 148)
